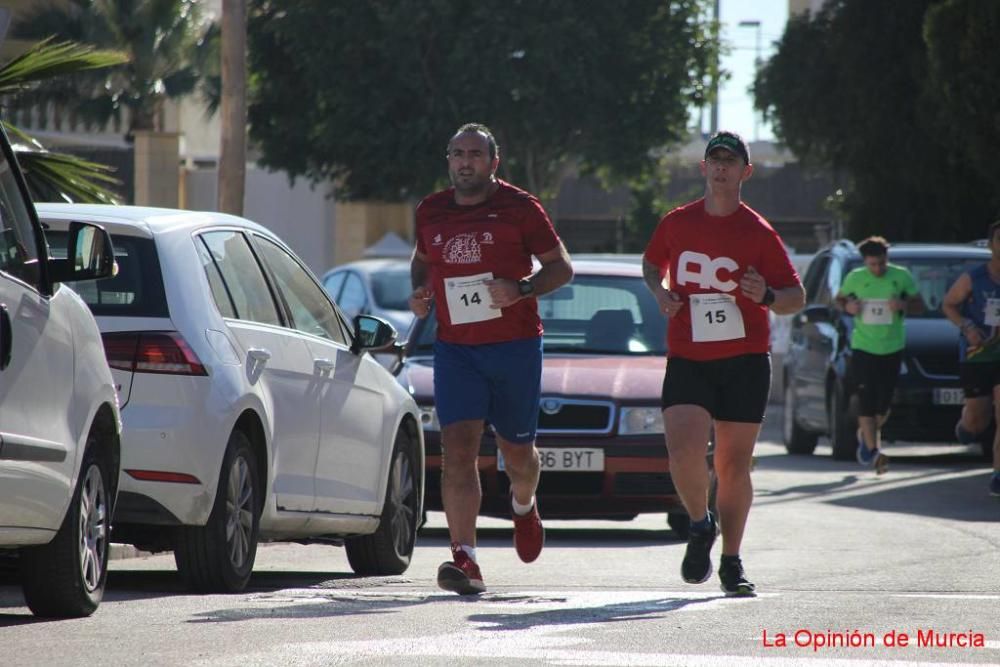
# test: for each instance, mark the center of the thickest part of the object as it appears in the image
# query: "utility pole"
(714, 120)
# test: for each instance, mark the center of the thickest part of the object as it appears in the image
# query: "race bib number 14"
(469, 300)
(715, 317)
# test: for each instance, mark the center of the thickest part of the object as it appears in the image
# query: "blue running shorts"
(498, 382)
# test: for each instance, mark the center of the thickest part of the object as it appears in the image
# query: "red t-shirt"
(705, 257)
(498, 237)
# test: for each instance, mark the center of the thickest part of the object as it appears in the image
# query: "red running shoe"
(529, 534)
(461, 575)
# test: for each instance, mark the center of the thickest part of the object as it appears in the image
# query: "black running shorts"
(979, 378)
(734, 389)
(875, 377)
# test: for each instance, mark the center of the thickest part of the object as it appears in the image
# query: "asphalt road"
(847, 562)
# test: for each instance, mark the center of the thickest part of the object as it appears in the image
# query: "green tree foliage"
(961, 38)
(368, 93)
(56, 176)
(850, 88)
(171, 52)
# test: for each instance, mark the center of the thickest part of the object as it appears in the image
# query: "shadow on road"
(563, 536)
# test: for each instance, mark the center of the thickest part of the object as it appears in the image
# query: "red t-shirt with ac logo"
(705, 256)
(465, 245)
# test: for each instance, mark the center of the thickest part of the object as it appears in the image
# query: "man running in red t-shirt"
(725, 267)
(473, 259)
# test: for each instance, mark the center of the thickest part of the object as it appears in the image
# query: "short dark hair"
(994, 226)
(483, 130)
(729, 141)
(874, 246)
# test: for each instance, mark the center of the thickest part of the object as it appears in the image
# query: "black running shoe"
(734, 580)
(696, 568)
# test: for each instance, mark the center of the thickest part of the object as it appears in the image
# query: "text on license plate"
(569, 459)
(948, 395)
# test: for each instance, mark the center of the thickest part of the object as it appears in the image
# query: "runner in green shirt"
(878, 295)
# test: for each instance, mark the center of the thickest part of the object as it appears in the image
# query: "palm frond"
(63, 177)
(48, 59)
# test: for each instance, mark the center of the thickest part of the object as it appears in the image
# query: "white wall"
(301, 215)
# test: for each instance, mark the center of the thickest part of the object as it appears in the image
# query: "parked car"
(379, 287)
(59, 422)
(600, 430)
(818, 397)
(251, 410)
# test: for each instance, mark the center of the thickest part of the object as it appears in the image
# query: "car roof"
(148, 219)
(371, 265)
(918, 250)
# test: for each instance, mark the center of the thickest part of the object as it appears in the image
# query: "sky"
(736, 111)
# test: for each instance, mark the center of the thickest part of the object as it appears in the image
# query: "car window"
(311, 309)
(934, 276)
(220, 293)
(245, 283)
(815, 275)
(391, 289)
(333, 283)
(18, 247)
(136, 290)
(352, 297)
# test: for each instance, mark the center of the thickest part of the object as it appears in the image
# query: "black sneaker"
(696, 568)
(734, 580)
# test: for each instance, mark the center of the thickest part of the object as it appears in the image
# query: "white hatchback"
(251, 410)
(59, 423)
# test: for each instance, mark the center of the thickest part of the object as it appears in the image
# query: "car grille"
(938, 366)
(644, 484)
(553, 483)
(568, 415)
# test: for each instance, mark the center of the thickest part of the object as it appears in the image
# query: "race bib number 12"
(715, 317)
(469, 300)
(876, 311)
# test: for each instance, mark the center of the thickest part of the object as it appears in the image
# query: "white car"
(379, 287)
(250, 407)
(59, 422)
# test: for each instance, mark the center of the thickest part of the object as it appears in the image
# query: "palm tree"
(56, 175)
(171, 53)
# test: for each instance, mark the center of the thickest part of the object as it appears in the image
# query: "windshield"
(933, 275)
(391, 289)
(593, 315)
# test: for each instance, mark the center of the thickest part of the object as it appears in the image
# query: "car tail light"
(152, 352)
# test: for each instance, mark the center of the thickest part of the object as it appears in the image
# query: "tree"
(965, 77)
(371, 98)
(55, 175)
(169, 50)
(232, 156)
(848, 88)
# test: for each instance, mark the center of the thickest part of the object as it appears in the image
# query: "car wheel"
(797, 439)
(66, 577)
(388, 550)
(218, 557)
(843, 426)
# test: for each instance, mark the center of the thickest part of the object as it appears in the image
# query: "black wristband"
(768, 297)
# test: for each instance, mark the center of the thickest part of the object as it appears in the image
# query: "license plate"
(566, 460)
(948, 396)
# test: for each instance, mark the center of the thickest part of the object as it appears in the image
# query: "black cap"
(732, 142)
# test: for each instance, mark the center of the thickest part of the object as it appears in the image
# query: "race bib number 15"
(469, 300)
(715, 317)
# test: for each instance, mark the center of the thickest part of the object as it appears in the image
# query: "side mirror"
(372, 333)
(814, 314)
(89, 255)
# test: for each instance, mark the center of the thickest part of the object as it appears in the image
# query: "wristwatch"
(525, 287)
(768, 297)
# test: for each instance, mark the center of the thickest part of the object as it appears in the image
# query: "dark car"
(600, 430)
(818, 396)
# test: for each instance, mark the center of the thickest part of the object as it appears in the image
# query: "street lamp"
(756, 68)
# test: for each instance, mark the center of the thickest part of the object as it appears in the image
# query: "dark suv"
(818, 397)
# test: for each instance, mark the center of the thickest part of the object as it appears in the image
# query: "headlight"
(429, 418)
(640, 421)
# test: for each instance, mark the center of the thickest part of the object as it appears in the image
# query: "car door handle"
(258, 355)
(6, 337)
(323, 365)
